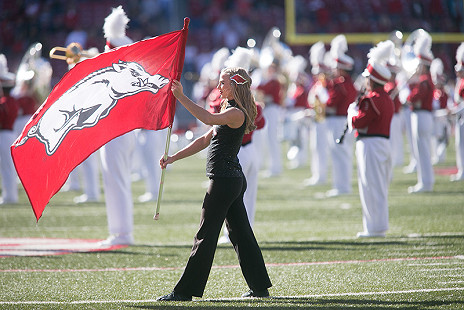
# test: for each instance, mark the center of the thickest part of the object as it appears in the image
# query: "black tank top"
(222, 160)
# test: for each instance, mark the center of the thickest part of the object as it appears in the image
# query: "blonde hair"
(242, 96)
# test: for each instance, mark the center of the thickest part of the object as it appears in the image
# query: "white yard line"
(434, 264)
(439, 269)
(451, 282)
(448, 276)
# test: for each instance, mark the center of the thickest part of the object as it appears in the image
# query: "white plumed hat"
(114, 28)
(338, 48)
(436, 71)
(379, 56)
(295, 67)
(316, 58)
(459, 58)
(423, 48)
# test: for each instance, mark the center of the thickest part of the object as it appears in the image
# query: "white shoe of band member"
(313, 182)
(417, 189)
(84, 198)
(5, 202)
(365, 234)
(146, 197)
(409, 169)
(456, 178)
(334, 193)
(118, 239)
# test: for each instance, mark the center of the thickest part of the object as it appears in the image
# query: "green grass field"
(308, 242)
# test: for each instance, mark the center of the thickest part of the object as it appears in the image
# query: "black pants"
(223, 201)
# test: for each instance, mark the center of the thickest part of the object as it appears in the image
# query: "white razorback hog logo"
(84, 104)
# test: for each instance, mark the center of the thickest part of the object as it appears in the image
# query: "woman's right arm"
(194, 147)
(231, 117)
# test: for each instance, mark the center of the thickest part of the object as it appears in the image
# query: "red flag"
(99, 99)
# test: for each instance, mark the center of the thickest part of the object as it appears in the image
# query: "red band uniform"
(372, 120)
(374, 158)
(421, 98)
(272, 91)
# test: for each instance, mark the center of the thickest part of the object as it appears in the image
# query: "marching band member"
(341, 94)
(458, 109)
(116, 155)
(272, 90)
(371, 118)
(440, 112)
(8, 114)
(317, 99)
(420, 100)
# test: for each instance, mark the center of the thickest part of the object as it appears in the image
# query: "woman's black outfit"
(224, 201)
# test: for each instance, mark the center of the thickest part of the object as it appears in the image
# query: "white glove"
(352, 111)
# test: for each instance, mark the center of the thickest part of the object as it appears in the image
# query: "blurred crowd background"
(218, 23)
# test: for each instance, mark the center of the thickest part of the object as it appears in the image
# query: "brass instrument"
(34, 74)
(316, 104)
(72, 53)
(319, 109)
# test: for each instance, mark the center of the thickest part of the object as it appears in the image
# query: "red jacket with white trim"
(375, 113)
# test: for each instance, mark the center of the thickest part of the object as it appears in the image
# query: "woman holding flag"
(224, 197)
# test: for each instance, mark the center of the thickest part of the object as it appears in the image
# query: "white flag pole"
(160, 192)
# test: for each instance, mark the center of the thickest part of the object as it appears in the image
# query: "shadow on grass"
(304, 303)
(301, 246)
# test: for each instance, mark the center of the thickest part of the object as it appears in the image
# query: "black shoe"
(174, 297)
(252, 293)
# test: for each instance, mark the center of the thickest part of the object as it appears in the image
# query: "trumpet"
(72, 53)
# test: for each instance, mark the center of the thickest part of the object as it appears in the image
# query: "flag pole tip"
(186, 22)
(156, 217)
